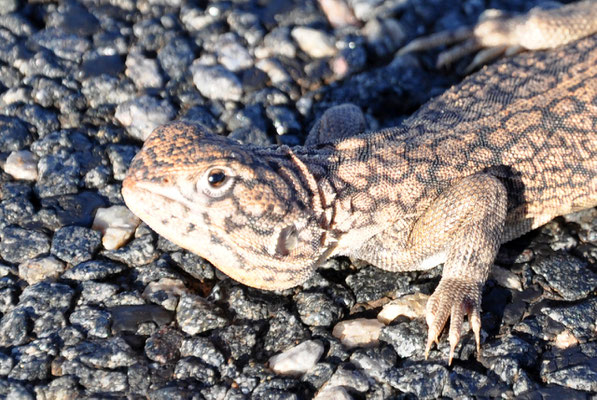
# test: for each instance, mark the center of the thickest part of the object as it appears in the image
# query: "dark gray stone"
(94, 270)
(19, 245)
(426, 381)
(175, 57)
(203, 349)
(164, 346)
(75, 244)
(14, 328)
(568, 276)
(407, 338)
(108, 353)
(317, 309)
(195, 315)
(46, 296)
(237, 340)
(372, 283)
(14, 135)
(193, 368)
(96, 322)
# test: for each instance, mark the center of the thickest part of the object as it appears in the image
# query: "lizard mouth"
(144, 200)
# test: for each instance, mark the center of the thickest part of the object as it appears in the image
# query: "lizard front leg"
(468, 219)
(337, 122)
(463, 228)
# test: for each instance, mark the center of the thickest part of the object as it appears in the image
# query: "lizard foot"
(486, 39)
(497, 33)
(453, 298)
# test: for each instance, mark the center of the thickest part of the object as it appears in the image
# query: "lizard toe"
(453, 298)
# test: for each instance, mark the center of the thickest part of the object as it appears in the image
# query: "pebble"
(315, 43)
(21, 165)
(358, 332)
(93, 270)
(333, 393)
(120, 156)
(175, 57)
(202, 348)
(19, 245)
(568, 276)
(13, 134)
(165, 292)
(579, 377)
(46, 296)
(195, 315)
(59, 174)
(297, 360)
(505, 278)
(348, 377)
(285, 329)
(75, 244)
(372, 283)
(13, 328)
(317, 309)
(579, 318)
(94, 321)
(425, 381)
(140, 116)
(375, 361)
(192, 368)
(411, 306)
(237, 340)
(116, 224)
(39, 269)
(96, 293)
(231, 53)
(49, 323)
(338, 13)
(407, 338)
(143, 71)
(216, 82)
(109, 353)
(164, 346)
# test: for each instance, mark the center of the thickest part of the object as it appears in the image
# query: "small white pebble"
(565, 339)
(298, 359)
(411, 306)
(360, 332)
(39, 269)
(333, 393)
(314, 42)
(506, 278)
(21, 165)
(117, 224)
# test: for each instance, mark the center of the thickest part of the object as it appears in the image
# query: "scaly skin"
(507, 150)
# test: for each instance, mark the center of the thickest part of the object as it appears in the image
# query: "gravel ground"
(89, 311)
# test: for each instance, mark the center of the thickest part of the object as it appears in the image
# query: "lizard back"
(530, 120)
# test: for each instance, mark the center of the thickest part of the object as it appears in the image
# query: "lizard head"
(245, 209)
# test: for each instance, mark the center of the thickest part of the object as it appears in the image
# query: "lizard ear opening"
(287, 240)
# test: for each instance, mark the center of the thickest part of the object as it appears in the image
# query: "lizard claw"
(452, 299)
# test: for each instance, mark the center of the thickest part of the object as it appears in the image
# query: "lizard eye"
(216, 182)
(216, 178)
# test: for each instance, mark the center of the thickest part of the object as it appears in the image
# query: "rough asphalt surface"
(82, 83)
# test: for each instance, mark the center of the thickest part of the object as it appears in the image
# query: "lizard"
(505, 151)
